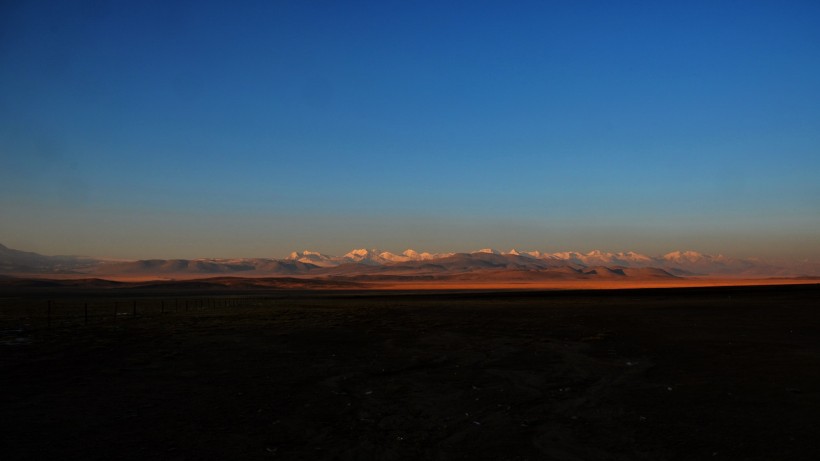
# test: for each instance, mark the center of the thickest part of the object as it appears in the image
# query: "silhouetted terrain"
(170, 373)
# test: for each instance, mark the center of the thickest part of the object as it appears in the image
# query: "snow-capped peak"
(681, 256)
(360, 253)
(388, 256)
(312, 257)
(297, 255)
(414, 255)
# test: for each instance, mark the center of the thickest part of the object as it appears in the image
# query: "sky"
(252, 129)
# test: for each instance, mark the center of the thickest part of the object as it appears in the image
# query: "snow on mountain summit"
(363, 256)
(681, 256)
(414, 255)
(360, 253)
(370, 256)
(312, 257)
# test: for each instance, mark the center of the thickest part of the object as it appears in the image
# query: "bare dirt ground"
(667, 374)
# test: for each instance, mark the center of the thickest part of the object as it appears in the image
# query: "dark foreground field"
(678, 374)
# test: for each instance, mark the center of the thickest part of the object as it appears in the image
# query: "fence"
(52, 313)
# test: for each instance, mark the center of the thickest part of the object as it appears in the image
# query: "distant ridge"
(410, 263)
(26, 262)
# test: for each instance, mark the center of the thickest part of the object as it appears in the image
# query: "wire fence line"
(52, 313)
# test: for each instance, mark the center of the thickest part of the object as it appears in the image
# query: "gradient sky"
(209, 129)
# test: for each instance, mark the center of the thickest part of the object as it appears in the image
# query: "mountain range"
(680, 263)
(378, 264)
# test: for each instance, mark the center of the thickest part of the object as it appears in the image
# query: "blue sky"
(165, 129)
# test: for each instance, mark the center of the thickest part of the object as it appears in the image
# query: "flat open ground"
(675, 374)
